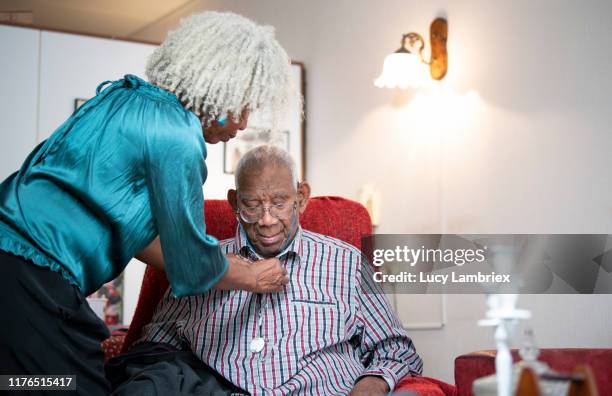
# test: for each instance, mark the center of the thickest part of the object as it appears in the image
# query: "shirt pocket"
(311, 326)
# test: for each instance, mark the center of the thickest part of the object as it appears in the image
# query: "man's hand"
(263, 276)
(370, 386)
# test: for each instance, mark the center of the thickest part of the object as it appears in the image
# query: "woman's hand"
(269, 275)
(263, 276)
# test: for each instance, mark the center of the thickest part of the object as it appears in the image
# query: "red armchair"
(338, 217)
(474, 365)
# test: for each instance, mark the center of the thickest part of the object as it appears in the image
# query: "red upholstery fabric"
(112, 346)
(479, 364)
(425, 386)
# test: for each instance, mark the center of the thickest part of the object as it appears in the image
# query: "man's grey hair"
(259, 157)
(219, 62)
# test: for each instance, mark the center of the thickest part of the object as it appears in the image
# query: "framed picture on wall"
(291, 135)
(78, 102)
(107, 301)
(249, 138)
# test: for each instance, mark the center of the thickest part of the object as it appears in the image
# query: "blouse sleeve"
(174, 160)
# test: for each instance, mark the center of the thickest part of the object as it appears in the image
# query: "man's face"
(270, 188)
(216, 132)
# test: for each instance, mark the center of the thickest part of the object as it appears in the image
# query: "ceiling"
(115, 18)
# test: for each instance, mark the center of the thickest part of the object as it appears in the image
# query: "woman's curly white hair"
(219, 63)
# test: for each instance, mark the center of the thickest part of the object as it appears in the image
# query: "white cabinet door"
(19, 51)
(72, 66)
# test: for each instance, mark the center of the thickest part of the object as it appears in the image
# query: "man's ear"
(232, 198)
(303, 196)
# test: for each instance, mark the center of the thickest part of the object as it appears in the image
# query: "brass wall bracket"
(438, 34)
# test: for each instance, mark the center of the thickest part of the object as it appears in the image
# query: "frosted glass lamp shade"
(402, 70)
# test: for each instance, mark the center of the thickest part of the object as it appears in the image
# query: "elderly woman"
(122, 178)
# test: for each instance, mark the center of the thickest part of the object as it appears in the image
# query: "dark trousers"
(48, 328)
(160, 369)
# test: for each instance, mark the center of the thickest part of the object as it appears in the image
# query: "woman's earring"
(221, 121)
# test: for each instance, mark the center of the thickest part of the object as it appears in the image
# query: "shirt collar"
(245, 249)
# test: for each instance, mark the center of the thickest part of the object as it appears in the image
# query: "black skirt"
(48, 328)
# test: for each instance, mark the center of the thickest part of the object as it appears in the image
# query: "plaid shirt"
(326, 329)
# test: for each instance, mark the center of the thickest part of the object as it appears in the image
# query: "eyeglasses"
(252, 214)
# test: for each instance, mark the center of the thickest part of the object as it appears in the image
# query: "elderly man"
(329, 332)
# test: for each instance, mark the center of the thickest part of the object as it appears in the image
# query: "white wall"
(18, 96)
(292, 20)
(534, 140)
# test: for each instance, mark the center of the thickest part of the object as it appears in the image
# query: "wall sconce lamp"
(404, 68)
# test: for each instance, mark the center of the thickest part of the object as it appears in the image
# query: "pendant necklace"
(258, 343)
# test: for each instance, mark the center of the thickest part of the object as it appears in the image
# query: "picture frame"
(249, 138)
(110, 299)
(78, 102)
(291, 135)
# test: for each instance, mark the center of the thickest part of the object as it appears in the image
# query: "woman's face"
(216, 132)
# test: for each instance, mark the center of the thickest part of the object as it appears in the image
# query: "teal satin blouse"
(126, 166)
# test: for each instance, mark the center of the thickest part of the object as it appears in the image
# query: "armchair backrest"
(333, 216)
